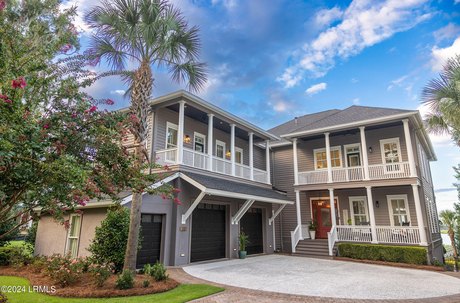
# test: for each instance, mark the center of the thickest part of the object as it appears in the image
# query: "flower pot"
(242, 254)
(312, 234)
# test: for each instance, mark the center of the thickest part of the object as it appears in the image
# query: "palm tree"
(442, 96)
(150, 34)
(449, 219)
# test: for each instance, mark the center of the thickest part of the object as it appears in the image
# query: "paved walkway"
(266, 268)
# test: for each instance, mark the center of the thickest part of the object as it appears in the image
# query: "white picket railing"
(195, 159)
(389, 171)
(354, 233)
(398, 235)
(166, 156)
(331, 239)
(242, 171)
(296, 236)
(260, 175)
(348, 174)
(221, 166)
(313, 177)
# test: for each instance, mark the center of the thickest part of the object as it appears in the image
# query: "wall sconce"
(377, 204)
(370, 149)
(187, 139)
(228, 154)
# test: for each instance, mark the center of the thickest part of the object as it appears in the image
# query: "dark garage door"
(151, 239)
(251, 224)
(208, 232)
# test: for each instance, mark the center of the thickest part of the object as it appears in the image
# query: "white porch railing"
(166, 156)
(313, 177)
(195, 159)
(242, 171)
(260, 175)
(221, 166)
(295, 237)
(389, 171)
(348, 174)
(398, 235)
(352, 233)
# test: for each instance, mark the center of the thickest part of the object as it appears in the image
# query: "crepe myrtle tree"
(57, 149)
(150, 34)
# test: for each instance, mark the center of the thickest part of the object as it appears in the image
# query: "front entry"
(251, 225)
(321, 211)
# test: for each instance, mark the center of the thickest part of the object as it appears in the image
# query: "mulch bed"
(86, 288)
(403, 265)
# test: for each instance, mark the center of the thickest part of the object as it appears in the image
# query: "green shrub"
(38, 264)
(400, 254)
(5, 255)
(145, 283)
(19, 256)
(147, 269)
(64, 270)
(100, 273)
(32, 234)
(158, 272)
(125, 280)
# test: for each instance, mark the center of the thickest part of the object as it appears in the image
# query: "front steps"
(317, 248)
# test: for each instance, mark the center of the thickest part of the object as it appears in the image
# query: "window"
(220, 149)
(358, 210)
(399, 210)
(353, 155)
(238, 155)
(199, 142)
(321, 160)
(73, 235)
(391, 151)
(171, 135)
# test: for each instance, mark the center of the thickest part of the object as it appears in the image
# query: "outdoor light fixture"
(377, 204)
(187, 139)
(228, 154)
(370, 149)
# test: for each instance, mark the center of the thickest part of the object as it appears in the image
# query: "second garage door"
(208, 232)
(251, 224)
(151, 226)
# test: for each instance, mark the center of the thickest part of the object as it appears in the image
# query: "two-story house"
(235, 176)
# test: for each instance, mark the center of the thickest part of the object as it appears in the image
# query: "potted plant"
(244, 240)
(312, 228)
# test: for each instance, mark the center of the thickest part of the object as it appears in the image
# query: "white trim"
(274, 215)
(229, 194)
(382, 150)
(74, 237)
(337, 147)
(238, 149)
(221, 143)
(390, 208)
(351, 199)
(172, 126)
(240, 213)
(197, 134)
(346, 154)
(192, 207)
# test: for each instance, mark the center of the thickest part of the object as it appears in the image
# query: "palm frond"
(191, 73)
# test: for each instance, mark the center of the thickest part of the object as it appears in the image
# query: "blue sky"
(270, 61)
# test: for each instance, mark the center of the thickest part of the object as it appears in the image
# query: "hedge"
(400, 254)
(5, 255)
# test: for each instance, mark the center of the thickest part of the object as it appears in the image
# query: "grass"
(21, 243)
(182, 293)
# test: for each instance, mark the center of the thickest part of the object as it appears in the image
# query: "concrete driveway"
(326, 278)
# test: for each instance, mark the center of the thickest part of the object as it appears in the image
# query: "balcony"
(200, 160)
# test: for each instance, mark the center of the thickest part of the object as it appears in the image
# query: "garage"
(251, 225)
(151, 230)
(208, 232)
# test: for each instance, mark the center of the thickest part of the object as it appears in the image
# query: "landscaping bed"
(394, 264)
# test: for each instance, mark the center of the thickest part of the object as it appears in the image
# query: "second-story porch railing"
(200, 160)
(357, 173)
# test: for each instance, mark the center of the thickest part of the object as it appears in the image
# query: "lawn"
(21, 243)
(182, 293)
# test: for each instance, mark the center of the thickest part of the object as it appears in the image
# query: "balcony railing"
(201, 160)
(357, 173)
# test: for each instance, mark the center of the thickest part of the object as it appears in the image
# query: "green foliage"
(125, 280)
(14, 256)
(147, 269)
(400, 254)
(3, 298)
(243, 240)
(158, 272)
(4, 228)
(38, 264)
(32, 234)
(64, 270)
(146, 283)
(5, 255)
(100, 273)
(109, 243)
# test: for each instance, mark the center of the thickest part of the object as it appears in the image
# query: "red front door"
(322, 216)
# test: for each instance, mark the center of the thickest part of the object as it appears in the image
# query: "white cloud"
(119, 92)
(397, 82)
(280, 106)
(354, 80)
(82, 7)
(228, 4)
(439, 55)
(325, 17)
(356, 101)
(449, 31)
(290, 77)
(363, 24)
(314, 89)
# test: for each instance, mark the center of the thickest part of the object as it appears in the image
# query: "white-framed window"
(352, 155)
(73, 235)
(220, 149)
(358, 211)
(238, 155)
(321, 160)
(398, 208)
(199, 142)
(391, 150)
(171, 135)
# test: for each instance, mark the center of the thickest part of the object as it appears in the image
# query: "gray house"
(372, 162)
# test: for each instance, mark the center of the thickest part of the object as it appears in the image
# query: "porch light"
(228, 154)
(377, 204)
(187, 139)
(370, 149)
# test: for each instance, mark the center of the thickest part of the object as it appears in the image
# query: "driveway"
(326, 278)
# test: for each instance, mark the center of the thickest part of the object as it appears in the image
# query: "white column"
(232, 147)
(210, 139)
(418, 210)
(297, 207)
(328, 158)
(331, 201)
(251, 155)
(296, 164)
(180, 132)
(267, 159)
(410, 150)
(370, 206)
(364, 152)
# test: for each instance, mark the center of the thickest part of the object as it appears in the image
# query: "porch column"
(210, 139)
(297, 208)
(180, 132)
(232, 147)
(251, 155)
(331, 202)
(296, 166)
(267, 159)
(410, 150)
(370, 206)
(364, 152)
(328, 158)
(418, 210)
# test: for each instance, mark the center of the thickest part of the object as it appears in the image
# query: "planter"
(242, 254)
(312, 234)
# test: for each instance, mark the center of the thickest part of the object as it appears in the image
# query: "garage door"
(208, 232)
(151, 239)
(251, 224)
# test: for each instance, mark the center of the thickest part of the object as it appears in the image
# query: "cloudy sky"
(270, 61)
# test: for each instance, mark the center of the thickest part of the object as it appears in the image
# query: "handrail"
(295, 237)
(331, 239)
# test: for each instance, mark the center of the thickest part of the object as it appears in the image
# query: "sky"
(271, 60)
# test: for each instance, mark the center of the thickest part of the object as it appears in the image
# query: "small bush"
(38, 264)
(158, 272)
(64, 270)
(5, 255)
(400, 254)
(147, 269)
(100, 273)
(18, 257)
(145, 283)
(125, 280)
(3, 298)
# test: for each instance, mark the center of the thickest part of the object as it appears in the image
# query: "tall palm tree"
(449, 219)
(150, 34)
(442, 96)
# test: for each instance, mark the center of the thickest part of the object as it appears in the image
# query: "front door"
(322, 216)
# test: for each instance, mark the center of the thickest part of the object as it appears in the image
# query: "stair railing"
(331, 239)
(296, 236)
